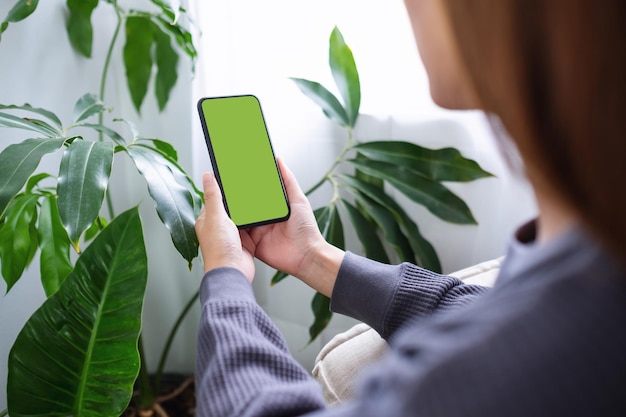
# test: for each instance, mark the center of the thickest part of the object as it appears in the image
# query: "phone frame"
(207, 138)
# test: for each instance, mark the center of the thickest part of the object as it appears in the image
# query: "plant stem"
(170, 339)
(4, 413)
(146, 397)
(339, 159)
(107, 61)
(105, 71)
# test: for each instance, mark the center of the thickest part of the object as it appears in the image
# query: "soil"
(176, 398)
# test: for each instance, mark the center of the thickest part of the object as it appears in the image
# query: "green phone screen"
(243, 160)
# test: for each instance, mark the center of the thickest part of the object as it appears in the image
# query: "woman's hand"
(296, 246)
(221, 243)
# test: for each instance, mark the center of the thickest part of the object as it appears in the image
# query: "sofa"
(340, 361)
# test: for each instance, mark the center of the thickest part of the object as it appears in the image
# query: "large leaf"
(438, 199)
(166, 61)
(43, 112)
(446, 164)
(387, 222)
(138, 57)
(77, 355)
(345, 75)
(20, 11)
(166, 155)
(34, 125)
(174, 202)
(79, 28)
(423, 251)
(372, 245)
(83, 180)
(54, 263)
(16, 239)
(87, 106)
(18, 162)
(331, 107)
(329, 223)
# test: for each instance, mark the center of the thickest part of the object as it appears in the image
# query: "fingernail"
(207, 177)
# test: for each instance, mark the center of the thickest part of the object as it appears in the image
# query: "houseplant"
(81, 351)
(361, 173)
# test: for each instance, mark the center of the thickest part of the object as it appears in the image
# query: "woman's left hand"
(221, 243)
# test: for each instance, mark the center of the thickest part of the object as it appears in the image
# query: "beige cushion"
(341, 360)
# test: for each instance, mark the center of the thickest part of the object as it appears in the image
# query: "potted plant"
(81, 352)
(361, 173)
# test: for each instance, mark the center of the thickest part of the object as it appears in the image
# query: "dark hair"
(554, 72)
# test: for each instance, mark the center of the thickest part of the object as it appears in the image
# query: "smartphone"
(243, 160)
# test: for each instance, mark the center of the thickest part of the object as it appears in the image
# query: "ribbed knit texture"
(243, 367)
(548, 340)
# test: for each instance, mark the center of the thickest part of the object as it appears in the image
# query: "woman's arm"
(243, 367)
(387, 296)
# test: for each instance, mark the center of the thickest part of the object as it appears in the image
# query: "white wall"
(254, 47)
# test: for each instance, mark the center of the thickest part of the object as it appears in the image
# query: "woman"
(549, 338)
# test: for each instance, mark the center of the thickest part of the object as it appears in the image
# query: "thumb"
(212, 193)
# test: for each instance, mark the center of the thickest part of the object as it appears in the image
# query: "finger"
(294, 192)
(212, 193)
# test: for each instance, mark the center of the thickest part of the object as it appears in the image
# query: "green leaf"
(366, 232)
(55, 264)
(79, 28)
(423, 251)
(20, 11)
(330, 225)
(77, 355)
(174, 202)
(138, 57)
(166, 62)
(438, 199)
(15, 238)
(35, 180)
(320, 305)
(170, 8)
(164, 147)
(387, 222)
(34, 125)
(83, 180)
(87, 106)
(162, 155)
(325, 99)
(95, 228)
(445, 164)
(42, 112)
(345, 74)
(116, 137)
(183, 38)
(18, 162)
(278, 276)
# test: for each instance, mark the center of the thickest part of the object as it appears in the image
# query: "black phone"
(243, 160)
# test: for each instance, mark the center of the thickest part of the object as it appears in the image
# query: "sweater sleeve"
(387, 296)
(243, 367)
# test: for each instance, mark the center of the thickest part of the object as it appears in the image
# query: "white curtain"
(251, 46)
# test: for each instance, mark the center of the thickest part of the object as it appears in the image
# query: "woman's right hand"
(296, 246)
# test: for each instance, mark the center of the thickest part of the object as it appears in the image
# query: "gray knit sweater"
(548, 340)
